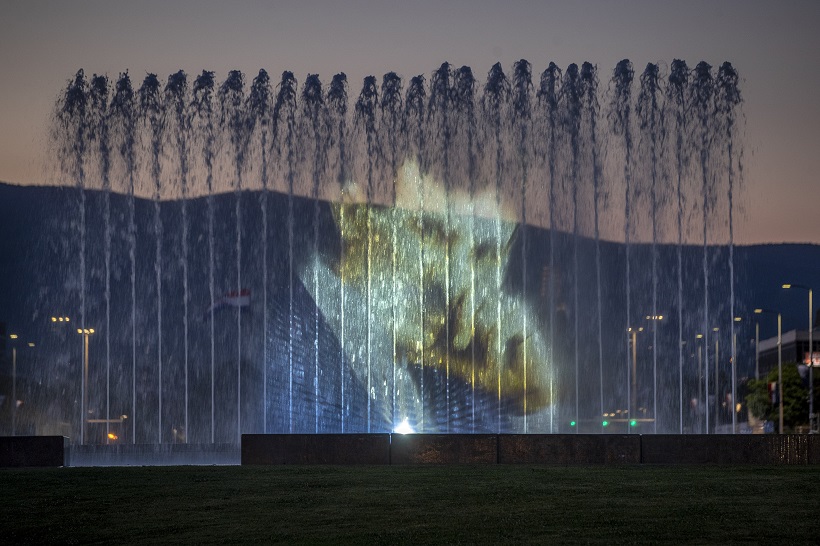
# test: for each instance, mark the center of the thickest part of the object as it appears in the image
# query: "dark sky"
(774, 45)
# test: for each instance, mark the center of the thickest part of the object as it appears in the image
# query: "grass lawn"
(412, 504)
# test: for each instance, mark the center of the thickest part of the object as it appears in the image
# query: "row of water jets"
(658, 163)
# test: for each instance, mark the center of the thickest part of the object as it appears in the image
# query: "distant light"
(572, 423)
(633, 423)
(12, 336)
(699, 336)
(758, 311)
(54, 319)
(67, 319)
(404, 428)
(660, 317)
(716, 329)
(787, 285)
(91, 331)
(31, 344)
(79, 330)
(605, 423)
(738, 319)
(738, 406)
(112, 436)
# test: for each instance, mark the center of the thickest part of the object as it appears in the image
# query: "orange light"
(112, 436)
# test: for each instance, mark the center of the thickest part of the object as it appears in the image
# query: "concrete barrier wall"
(569, 449)
(23, 451)
(725, 449)
(274, 449)
(444, 449)
(541, 449)
(814, 449)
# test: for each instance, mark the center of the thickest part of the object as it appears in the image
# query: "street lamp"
(86, 333)
(633, 402)
(14, 338)
(716, 330)
(811, 353)
(734, 377)
(13, 386)
(700, 375)
(654, 319)
(779, 358)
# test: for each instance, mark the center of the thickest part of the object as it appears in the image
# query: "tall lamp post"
(716, 330)
(735, 408)
(13, 337)
(633, 402)
(654, 319)
(757, 350)
(700, 376)
(811, 352)
(779, 359)
(86, 333)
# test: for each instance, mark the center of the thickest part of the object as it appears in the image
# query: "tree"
(795, 398)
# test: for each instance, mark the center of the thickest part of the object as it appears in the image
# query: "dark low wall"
(560, 449)
(728, 449)
(21, 451)
(814, 449)
(272, 449)
(444, 449)
(569, 449)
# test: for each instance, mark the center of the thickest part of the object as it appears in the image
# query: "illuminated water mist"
(443, 256)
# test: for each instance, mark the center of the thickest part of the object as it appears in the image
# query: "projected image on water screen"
(416, 299)
(436, 255)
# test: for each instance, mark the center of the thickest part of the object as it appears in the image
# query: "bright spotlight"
(404, 428)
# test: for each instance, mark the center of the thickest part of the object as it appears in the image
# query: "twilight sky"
(774, 45)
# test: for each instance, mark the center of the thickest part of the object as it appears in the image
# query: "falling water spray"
(176, 91)
(204, 111)
(548, 99)
(649, 114)
(677, 99)
(622, 126)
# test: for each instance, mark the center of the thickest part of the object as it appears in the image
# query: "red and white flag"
(238, 299)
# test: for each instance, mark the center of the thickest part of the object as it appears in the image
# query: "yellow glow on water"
(426, 275)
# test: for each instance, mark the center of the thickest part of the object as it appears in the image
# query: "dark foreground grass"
(442, 504)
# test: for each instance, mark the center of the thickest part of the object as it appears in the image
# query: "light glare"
(404, 428)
